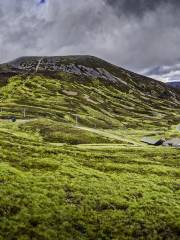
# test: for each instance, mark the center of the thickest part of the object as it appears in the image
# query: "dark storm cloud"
(134, 34)
(140, 7)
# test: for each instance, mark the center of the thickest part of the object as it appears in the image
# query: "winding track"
(39, 62)
(106, 134)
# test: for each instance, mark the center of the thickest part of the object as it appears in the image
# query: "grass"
(71, 192)
(55, 132)
(46, 97)
(94, 179)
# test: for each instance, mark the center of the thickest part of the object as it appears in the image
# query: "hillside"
(86, 89)
(174, 84)
(73, 165)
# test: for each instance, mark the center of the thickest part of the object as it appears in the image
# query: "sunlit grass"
(50, 192)
(98, 181)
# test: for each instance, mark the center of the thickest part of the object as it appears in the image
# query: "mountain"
(174, 84)
(85, 90)
(67, 97)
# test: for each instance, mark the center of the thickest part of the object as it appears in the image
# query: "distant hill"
(174, 84)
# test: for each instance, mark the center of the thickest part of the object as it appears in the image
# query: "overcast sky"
(141, 35)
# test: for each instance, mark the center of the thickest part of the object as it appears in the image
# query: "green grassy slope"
(95, 102)
(65, 192)
(111, 186)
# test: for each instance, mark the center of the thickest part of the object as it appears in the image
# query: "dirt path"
(106, 134)
(39, 62)
(18, 120)
(25, 120)
(102, 146)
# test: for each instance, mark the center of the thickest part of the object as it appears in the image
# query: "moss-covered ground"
(69, 192)
(73, 167)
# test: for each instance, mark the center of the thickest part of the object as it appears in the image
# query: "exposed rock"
(53, 64)
(70, 93)
(174, 142)
(152, 141)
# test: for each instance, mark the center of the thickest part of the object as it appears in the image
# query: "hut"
(12, 118)
(151, 141)
(174, 142)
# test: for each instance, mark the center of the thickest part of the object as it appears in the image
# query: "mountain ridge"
(78, 64)
(174, 84)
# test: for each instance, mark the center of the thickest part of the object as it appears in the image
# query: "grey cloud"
(140, 7)
(137, 36)
(164, 73)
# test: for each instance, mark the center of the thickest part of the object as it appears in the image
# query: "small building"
(174, 142)
(151, 141)
(12, 118)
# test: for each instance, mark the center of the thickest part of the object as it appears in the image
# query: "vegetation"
(55, 132)
(50, 192)
(73, 166)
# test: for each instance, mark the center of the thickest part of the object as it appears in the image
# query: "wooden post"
(76, 120)
(24, 112)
